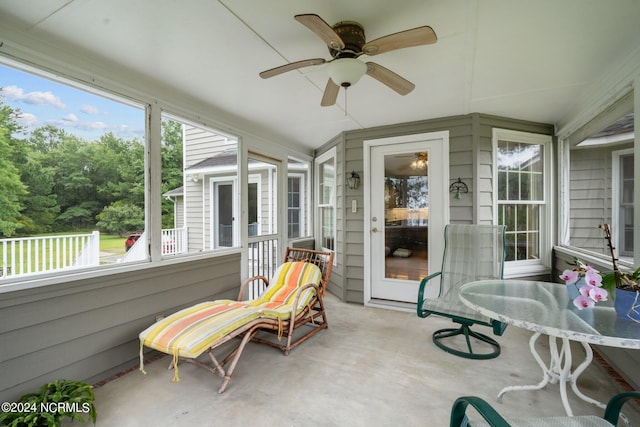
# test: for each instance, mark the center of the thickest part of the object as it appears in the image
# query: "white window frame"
(303, 206)
(543, 264)
(318, 223)
(615, 194)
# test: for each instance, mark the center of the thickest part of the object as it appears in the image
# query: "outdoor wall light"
(353, 180)
(458, 187)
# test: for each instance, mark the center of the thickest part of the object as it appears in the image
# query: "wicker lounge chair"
(292, 300)
(472, 252)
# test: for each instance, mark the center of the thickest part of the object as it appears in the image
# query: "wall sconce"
(353, 180)
(458, 187)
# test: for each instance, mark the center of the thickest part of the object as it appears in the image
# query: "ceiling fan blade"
(409, 38)
(330, 94)
(322, 29)
(290, 67)
(389, 78)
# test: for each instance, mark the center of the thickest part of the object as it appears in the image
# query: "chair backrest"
(323, 259)
(472, 252)
(290, 276)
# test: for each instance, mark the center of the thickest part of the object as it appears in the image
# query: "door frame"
(442, 136)
(214, 183)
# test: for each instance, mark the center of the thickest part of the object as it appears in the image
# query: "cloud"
(27, 120)
(72, 121)
(37, 98)
(89, 109)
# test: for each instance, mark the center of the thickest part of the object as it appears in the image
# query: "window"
(203, 197)
(625, 204)
(522, 167)
(326, 185)
(294, 206)
(600, 184)
(72, 174)
(298, 224)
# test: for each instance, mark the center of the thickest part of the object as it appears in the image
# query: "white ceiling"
(523, 59)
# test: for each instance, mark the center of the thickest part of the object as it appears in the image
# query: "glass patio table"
(546, 309)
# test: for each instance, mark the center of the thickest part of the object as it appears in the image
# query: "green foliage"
(11, 188)
(625, 281)
(55, 402)
(120, 217)
(53, 181)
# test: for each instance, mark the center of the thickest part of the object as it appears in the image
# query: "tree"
(120, 217)
(172, 142)
(11, 188)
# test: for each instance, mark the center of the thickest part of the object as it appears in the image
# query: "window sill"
(48, 279)
(519, 271)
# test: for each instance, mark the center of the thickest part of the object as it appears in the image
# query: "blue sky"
(88, 116)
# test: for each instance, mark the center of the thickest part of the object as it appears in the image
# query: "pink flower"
(598, 294)
(583, 302)
(593, 278)
(570, 277)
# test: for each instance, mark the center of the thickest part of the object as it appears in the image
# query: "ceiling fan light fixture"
(346, 71)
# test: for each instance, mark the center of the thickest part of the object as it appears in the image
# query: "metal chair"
(472, 252)
(492, 418)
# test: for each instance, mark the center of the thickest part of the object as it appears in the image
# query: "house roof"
(175, 192)
(224, 158)
(527, 60)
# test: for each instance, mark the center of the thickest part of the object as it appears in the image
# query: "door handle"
(374, 230)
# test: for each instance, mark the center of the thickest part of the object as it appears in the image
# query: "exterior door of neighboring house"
(224, 230)
(406, 209)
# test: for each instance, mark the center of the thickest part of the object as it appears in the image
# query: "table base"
(559, 371)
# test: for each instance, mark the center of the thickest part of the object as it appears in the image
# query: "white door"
(406, 209)
(224, 230)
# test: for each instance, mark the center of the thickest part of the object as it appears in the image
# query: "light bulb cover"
(346, 71)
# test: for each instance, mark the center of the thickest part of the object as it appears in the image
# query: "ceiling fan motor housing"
(352, 34)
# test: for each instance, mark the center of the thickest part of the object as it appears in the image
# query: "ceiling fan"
(346, 42)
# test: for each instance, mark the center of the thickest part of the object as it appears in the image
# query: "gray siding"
(200, 144)
(471, 159)
(336, 283)
(88, 329)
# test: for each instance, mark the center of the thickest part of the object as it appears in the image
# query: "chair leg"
(440, 335)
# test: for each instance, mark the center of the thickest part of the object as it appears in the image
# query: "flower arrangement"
(591, 291)
(595, 287)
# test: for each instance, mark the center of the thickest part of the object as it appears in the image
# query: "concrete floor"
(372, 367)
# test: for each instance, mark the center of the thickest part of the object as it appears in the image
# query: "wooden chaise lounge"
(291, 304)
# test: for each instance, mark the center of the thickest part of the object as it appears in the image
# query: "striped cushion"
(191, 331)
(277, 300)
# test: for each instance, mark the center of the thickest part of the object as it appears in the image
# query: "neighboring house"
(208, 202)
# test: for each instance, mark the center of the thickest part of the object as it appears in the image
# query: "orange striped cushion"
(278, 298)
(191, 331)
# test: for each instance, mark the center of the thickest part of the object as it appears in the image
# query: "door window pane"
(406, 203)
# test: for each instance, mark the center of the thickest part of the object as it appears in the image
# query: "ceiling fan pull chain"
(345, 102)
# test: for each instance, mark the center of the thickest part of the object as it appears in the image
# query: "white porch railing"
(30, 255)
(262, 254)
(174, 241)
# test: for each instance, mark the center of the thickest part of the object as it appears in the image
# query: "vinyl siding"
(200, 144)
(88, 329)
(470, 158)
(590, 197)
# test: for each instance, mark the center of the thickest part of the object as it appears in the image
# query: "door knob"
(374, 230)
